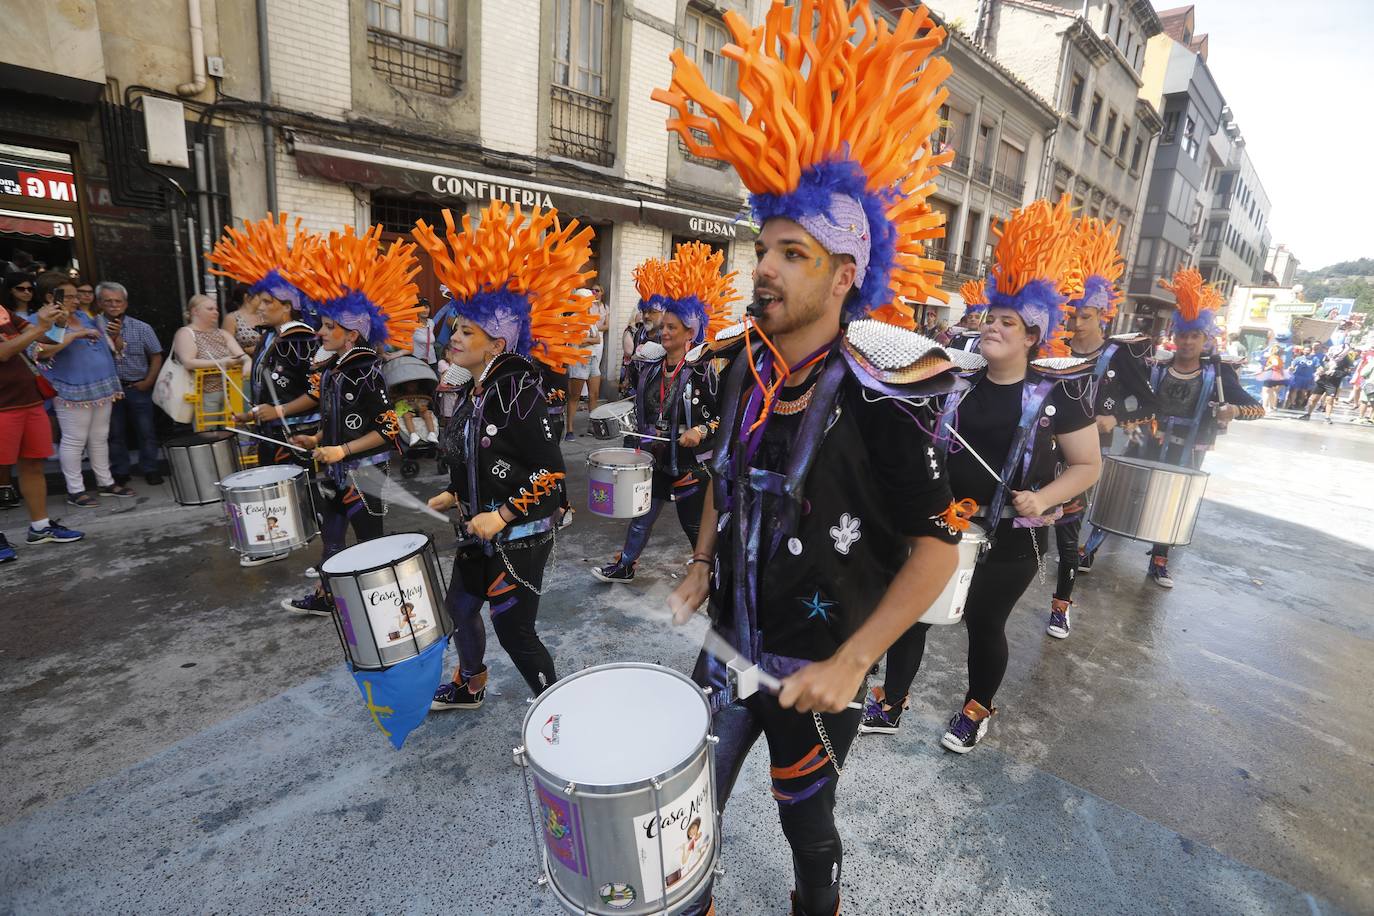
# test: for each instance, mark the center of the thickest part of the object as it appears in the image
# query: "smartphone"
(58, 295)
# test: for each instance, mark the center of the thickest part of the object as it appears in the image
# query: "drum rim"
(627, 406)
(428, 542)
(1148, 465)
(688, 895)
(298, 474)
(196, 440)
(599, 789)
(647, 464)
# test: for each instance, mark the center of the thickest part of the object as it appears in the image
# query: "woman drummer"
(1026, 420)
(676, 398)
(367, 299)
(512, 283)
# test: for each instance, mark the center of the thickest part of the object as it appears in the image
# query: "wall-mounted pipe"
(198, 76)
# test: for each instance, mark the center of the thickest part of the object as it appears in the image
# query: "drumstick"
(374, 483)
(229, 384)
(244, 432)
(646, 436)
(718, 646)
(964, 442)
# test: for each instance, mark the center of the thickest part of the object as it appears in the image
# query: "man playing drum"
(822, 537)
(676, 398)
(1197, 395)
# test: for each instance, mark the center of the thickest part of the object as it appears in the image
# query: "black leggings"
(998, 583)
(1066, 540)
(804, 779)
(688, 496)
(477, 579)
(340, 511)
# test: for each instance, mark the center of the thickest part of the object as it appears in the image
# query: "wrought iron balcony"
(960, 164)
(413, 64)
(580, 126)
(983, 174)
(1009, 186)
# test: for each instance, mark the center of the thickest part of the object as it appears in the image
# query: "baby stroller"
(411, 382)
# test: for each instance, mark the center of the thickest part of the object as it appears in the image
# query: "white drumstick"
(979, 458)
(374, 483)
(244, 432)
(646, 436)
(229, 384)
(718, 646)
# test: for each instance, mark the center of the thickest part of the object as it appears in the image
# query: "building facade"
(1086, 59)
(1237, 236)
(1281, 266)
(1177, 81)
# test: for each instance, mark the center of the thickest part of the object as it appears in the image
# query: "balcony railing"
(969, 268)
(982, 173)
(961, 163)
(1211, 249)
(702, 138)
(580, 126)
(1009, 186)
(944, 255)
(413, 64)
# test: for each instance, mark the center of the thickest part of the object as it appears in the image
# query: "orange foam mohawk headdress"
(260, 256)
(1197, 300)
(517, 279)
(696, 291)
(1030, 264)
(974, 294)
(1095, 266)
(362, 287)
(650, 281)
(837, 137)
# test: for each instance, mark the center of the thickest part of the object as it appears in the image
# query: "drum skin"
(1147, 500)
(949, 607)
(623, 815)
(619, 482)
(613, 421)
(198, 463)
(269, 510)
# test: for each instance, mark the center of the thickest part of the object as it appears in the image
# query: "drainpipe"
(269, 139)
(198, 77)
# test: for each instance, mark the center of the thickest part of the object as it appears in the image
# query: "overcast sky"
(1299, 80)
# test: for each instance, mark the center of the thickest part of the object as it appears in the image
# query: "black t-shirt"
(988, 418)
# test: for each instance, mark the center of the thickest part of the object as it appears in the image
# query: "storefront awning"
(37, 225)
(440, 181)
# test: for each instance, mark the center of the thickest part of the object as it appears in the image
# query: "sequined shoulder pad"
(1063, 366)
(894, 356)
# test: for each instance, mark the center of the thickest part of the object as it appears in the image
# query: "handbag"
(45, 389)
(174, 383)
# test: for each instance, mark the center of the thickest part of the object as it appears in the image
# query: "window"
(580, 113)
(1107, 23)
(1170, 128)
(1076, 95)
(1094, 114)
(1109, 135)
(1120, 24)
(1010, 170)
(702, 39)
(408, 41)
(1124, 142)
(953, 130)
(1190, 140)
(1137, 154)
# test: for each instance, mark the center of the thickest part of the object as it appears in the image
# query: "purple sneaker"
(1159, 571)
(1059, 619)
(967, 728)
(879, 718)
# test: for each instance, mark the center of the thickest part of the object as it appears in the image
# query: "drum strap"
(1209, 377)
(1104, 363)
(1022, 444)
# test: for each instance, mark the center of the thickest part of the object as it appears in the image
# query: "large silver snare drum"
(1147, 500)
(620, 482)
(626, 826)
(269, 510)
(198, 463)
(614, 420)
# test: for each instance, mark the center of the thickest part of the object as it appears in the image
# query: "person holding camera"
(138, 358)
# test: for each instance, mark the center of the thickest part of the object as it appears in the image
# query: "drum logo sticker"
(267, 521)
(562, 830)
(551, 729)
(686, 828)
(400, 610)
(601, 497)
(643, 496)
(618, 896)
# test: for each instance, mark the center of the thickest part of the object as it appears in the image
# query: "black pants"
(1066, 541)
(340, 511)
(804, 781)
(998, 583)
(478, 579)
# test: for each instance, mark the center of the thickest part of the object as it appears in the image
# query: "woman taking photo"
(1027, 420)
(513, 288)
(77, 358)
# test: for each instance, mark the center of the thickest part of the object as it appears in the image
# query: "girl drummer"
(1024, 419)
(367, 298)
(676, 398)
(512, 285)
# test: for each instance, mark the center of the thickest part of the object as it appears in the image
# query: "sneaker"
(432, 437)
(414, 439)
(7, 554)
(1059, 619)
(1306, 416)
(54, 532)
(9, 498)
(82, 500)
(154, 479)
(570, 437)
(117, 490)
(967, 728)
(467, 695)
(313, 603)
(879, 718)
(1159, 571)
(615, 572)
(1085, 562)
(246, 561)
(311, 572)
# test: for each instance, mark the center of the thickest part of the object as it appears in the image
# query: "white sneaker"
(311, 572)
(433, 437)
(414, 438)
(246, 561)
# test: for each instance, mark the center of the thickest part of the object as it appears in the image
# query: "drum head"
(194, 439)
(373, 554)
(616, 725)
(619, 458)
(257, 477)
(613, 409)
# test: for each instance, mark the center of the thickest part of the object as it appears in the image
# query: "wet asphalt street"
(177, 743)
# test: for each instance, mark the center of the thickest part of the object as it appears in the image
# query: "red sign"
(38, 184)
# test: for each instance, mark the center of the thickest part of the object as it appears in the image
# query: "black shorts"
(1328, 386)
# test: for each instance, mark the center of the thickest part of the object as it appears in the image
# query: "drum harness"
(1209, 377)
(337, 475)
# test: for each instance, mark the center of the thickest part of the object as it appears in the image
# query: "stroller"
(408, 377)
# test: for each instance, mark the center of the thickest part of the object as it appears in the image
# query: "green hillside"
(1346, 280)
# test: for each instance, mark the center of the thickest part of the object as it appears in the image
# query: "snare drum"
(198, 463)
(1148, 500)
(613, 420)
(620, 482)
(269, 510)
(627, 827)
(949, 607)
(389, 596)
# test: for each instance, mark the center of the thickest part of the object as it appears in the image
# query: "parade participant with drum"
(513, 286)
(648, 314)
(823, 536)
(1025, 419)
(1121, 390)
(366, 298)
(676, 398)
(1197, 394)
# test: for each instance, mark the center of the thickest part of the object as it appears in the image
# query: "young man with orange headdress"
(513, 284)
(677, 397)
(1120, 378)
(824, 535)
(365, 298)
(1030, 420)
(1197, 394)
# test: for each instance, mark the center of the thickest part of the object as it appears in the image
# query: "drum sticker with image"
(399, 608)
(643, 494)
(961, 586)
(264, 521)
(688, 832)
(618, 896)
(562, 829)
(601, 497)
